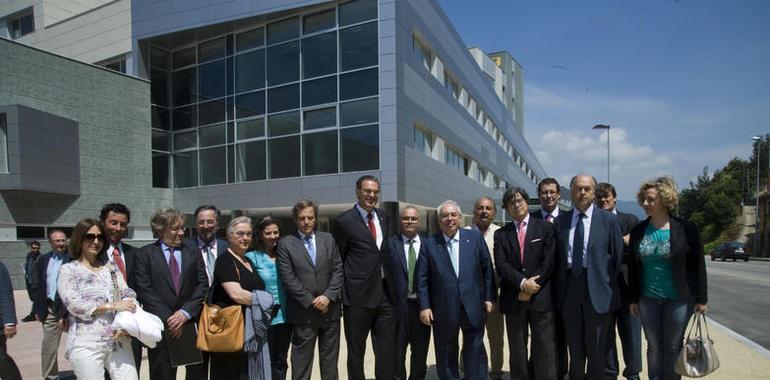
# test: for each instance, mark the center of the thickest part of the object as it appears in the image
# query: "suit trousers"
(303, 344)
(160, 364)
(91, 364)
(473, 352)
(49, 350)
(586, 330)
(495, 333)
(279, 340)
(629, 329)
(381, 321)
(415, 335)
(8, 368)
(543, 355)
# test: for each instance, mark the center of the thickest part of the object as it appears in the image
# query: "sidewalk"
(740, 358)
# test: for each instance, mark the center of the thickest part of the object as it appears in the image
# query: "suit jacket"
(448, 294)
(129, 252)
(7, 306)
(395, 265)
(40, 306)
(304, 282)
(688, 262)
(361, 258)
(602, 260)
(154, 288)
(539, 253)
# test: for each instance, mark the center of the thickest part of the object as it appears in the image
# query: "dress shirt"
(212, 246)
(453, 244)
(586, 233)
(112, 248)
(518, 225)
(178, 257)
(312, 241)
(365, 216)
(416, 245)
(554, 214)
(52, 274)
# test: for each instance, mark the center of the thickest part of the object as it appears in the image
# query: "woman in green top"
(263, 257)
(667, 276)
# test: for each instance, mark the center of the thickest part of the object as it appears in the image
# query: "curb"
(746, 341)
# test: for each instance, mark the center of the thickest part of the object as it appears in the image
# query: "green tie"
(410, 265)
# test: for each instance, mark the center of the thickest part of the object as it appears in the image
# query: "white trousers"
(90, 364)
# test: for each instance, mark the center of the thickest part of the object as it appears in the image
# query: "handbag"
(698, 357)
(220, 329)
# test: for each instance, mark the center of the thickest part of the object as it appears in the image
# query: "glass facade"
(294, 97)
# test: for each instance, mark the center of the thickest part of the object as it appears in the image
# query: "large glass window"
(250, 39)
(359, 112)
(358, 84)
(159, 87)
(283, 124)
(250, 71)
(283, 98)
(358, 46)
(211, 112)
(320, 152)
(251, 161)
(319, 21)
(186, 169)
(283, 30)
(161, 141)
(22, 25)
(212, 79)
(319, 91)
(357, 11)
(160, 170)
(213, 166)
(213, 135)
(185, 140)
(185, 117)
(249, 129)
(360, 148)
(251, 104)
(183, 86)
(182, 58)
(160, 118)
(320, 118)
(319, 55)
(211, 50)
(284, 157)
(283, 63)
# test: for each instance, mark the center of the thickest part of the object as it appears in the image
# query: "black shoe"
(29, 318)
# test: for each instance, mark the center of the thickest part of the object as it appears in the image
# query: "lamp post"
(756, 195)
(607, 127)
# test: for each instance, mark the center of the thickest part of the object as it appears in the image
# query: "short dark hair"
(511, 193)
(485, 198)
(303, 204)
(264, 223)
(117, 208)
(604, 188)
(55, 230)
(548, 181)
(33, 243)
(79, 233)
(360, 181)
(205, 208)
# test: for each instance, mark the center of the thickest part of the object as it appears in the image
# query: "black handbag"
(698, 357)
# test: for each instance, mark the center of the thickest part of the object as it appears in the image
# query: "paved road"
(739, 297)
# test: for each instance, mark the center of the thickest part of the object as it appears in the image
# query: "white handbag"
(698, 357)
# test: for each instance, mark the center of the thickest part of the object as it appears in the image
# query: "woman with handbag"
(93, 292)
(234, 279)
(667, 276)
(280, 332)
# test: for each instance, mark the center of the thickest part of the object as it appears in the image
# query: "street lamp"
(756, 195)
(607, 127)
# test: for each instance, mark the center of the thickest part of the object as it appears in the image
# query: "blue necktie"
(310, 248)
(577, 247)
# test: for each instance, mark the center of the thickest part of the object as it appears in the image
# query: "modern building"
(253, 104)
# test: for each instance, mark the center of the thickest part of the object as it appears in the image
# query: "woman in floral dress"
(93, 291)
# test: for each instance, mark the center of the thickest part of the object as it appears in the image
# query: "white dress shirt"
(110, 250)
(453, 244)
(416, 245)
(365, 216)
(586, 233)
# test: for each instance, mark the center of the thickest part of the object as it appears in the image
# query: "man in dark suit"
(48, 306)
(401, 253)
(629, 326)
(524, 252)
(116, 217)
(31, 277)
(590, 250)
(549, 194)
(206, 224)
(456, 290)
(311, 272)
(171, 283)
(359, 233)
(8, 368)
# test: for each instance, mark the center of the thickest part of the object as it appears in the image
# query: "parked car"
(733, 250)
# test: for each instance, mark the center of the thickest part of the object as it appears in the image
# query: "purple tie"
(173, 266)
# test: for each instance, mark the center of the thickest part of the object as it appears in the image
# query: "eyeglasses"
(92, 237)
(241, 234)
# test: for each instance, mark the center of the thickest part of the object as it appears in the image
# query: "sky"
(683, 84)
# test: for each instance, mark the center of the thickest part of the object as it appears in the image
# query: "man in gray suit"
(311, 272)
(8, 368)
(589, 254)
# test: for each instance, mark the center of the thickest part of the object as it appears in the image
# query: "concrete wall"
(112, 112)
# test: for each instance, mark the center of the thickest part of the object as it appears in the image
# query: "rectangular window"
(3, 144)
(22, 24)
(423, 142)
(284, 153)
(251, 161)
(456, 161)
(360, 148)
(320, 152)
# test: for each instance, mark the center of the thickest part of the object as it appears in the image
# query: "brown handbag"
(220, 329)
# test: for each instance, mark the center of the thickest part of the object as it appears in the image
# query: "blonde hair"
(667, 192)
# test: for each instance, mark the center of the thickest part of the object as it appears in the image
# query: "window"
(284, 156)
(283, 30)
(358, 84)
(319, 21)
(251, 161)
(319, 91)
(22, 24)
(250, 71)
(357, 11)
(358, 46)
(421, 53)
(320, 152)
(186, 169)
(283, 63)
(213, 166)
(456, 161)
(360, 148)
(423, 142)
(359, 112)
(115, 64)
(319, 55)
(320, 118)
(3, 144)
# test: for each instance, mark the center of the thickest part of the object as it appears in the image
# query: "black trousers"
(413, 334)
(630, 331)
(517, 326)
(279, 340)
(586, 331)
(160, 365)
(381, 321)
(474, 354)
(303, 344)
(8, 368)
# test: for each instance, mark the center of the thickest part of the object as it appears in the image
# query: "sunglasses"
(92, 237)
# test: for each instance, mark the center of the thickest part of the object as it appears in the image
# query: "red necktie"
(522, 233)
(372, 229)
(119, 261)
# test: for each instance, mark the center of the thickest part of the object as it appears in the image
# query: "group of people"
(564, 278)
